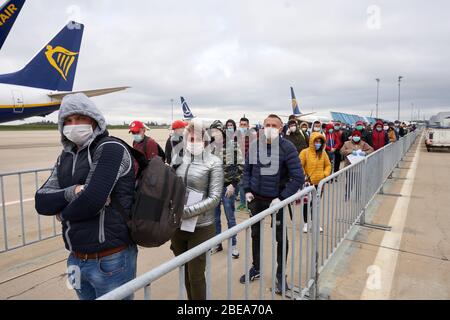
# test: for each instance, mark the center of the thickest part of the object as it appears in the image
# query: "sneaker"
(218, 248)
(305, 228)
(234, 253)
(253, 273)
(321, 230)
(279, 285)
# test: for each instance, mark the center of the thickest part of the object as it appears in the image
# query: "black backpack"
(158, 203)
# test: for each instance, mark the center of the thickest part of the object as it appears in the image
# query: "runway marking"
(16, 202)
(387, 255)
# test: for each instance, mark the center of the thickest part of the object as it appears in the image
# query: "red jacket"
(335, 136)
(379, 139)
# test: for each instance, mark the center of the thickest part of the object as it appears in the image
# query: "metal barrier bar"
(23, 221)
(164, 269)
(5, 229)
(247, 263)
(22, 218)
(181, 279)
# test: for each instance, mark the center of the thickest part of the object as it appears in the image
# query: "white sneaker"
(321, 230)
(305, 228)
(234, 253)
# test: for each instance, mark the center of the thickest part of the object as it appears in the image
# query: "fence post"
(314, 293)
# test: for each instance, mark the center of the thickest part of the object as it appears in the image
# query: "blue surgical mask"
(243, 130)
(379, 129)
(318, 146)
(231, 130)
(138, 138)
(359, 128)
(337, 128)
(357, 139)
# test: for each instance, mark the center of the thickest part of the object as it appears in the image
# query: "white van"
(437, 138)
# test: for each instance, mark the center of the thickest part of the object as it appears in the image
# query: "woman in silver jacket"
(203, 174)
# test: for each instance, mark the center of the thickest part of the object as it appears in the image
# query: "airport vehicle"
(37, 89)
(437, 138)
(9, 11)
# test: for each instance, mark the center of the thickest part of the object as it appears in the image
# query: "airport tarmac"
(410, 262)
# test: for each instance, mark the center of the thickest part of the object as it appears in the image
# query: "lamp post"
(399, 86)
(378, 94)
(412, 112)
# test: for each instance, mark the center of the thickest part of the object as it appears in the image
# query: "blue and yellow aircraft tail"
(54, 67)
(187, 113)
(9, 11)
(295, 107)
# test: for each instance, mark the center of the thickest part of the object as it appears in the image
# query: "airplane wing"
(305, 114)
(89, 93)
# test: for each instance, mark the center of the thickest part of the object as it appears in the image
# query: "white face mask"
(317, 129)
(179, 132)
(195, 148)
(386, 128)
(78, 134)
(271, 133)
(293, 129)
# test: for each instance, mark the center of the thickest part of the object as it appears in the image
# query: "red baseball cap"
(179, 125)
(136, 126)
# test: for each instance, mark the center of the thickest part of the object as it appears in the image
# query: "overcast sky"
(230, 57)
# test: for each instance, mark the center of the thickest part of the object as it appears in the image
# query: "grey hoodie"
(79, 103)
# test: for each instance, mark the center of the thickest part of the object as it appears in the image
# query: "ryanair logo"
(61, 59)
(6, 14)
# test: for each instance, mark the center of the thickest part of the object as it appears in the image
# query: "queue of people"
(217, 162)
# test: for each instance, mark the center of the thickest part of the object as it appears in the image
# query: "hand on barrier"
(249, 197)
(275, 202)
(230, 191)
(58, 217)
(355, 153)
(362, 153)
(79, 189)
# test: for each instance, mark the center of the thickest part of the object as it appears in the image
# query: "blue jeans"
(228, 204)
(92, 279)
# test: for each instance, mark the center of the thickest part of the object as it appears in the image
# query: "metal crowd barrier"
(344, 197)
(20, 224)
(302, 267)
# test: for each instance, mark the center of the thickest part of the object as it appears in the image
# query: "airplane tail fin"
(295, 108)
(54, 67)
(9, 12)
(187, 113)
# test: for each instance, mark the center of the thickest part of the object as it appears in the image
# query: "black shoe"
(253, 274)
(218, 248)
(279, 285)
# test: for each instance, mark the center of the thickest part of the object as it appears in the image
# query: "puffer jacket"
(105, 167)
(316, 164)
(350, 146)
(279, 175)
(202, 174)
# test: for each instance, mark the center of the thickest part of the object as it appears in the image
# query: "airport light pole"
(399, 86)
(378, 94)
(412, 112)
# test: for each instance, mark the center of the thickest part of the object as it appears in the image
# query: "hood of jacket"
(79, 103)
(314, 136)
(329, 126)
